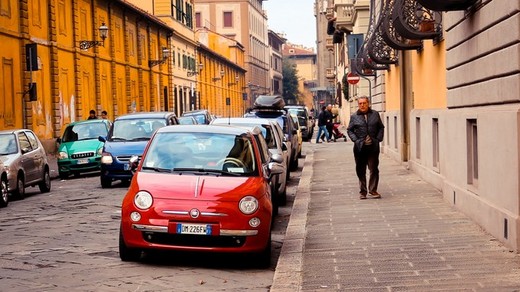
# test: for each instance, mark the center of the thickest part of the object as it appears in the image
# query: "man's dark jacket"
(359, 128)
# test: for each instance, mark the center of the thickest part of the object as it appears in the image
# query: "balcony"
(345, 15)
(329, 44)
(330, 73)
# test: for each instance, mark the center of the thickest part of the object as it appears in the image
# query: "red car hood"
(188, 186)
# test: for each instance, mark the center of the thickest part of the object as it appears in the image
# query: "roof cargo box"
(269, 102)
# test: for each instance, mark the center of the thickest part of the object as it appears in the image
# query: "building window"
(189, 16)
(472, 146)
(198, 19)
(228, 19)
(435, 141)
(418, 138)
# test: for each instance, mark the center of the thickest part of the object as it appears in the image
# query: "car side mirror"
(284, 146)
(25, 150)
(102, 139)
(134, 162)
(58, 140)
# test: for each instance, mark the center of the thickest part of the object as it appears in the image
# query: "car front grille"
(125, 158)
(82, 155)
(194, 240)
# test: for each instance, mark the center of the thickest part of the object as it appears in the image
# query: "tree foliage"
(290, 80)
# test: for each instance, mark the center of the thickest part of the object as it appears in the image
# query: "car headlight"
(63, 155)
(248, 205)
(106, 158)
(143, 200)
(100, 151)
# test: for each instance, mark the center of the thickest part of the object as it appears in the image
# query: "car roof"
(241, 120)
(144, 115)
(14, 131)
(220, 129)
(194, 112)
(88, 122)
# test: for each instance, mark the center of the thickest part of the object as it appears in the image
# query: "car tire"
(294, 163)
(4, 194)
(262, 259)
(106, 182)
(45, 184)
(64, 175)
(125, 253)
(283, 198)
(20, 187)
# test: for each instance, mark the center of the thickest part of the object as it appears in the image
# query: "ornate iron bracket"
(378, 50)
(85, 45)
(447, 5)
(411, 20)
(391, 36)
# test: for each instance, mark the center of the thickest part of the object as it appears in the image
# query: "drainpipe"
(406, 105)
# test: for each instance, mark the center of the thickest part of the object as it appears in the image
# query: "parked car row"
(23, 163)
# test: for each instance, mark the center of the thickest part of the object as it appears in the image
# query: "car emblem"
(194, 213)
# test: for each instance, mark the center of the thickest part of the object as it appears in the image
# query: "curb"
(288, 272)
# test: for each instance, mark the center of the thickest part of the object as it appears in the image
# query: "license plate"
(199, 229)
(82, 161)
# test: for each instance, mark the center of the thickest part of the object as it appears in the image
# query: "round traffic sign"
(353, 78)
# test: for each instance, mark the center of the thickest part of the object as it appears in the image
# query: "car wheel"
(4, 199)
(294, 163)
(283, 198)
(125, 253)
(105, 182)
(45, 184)
(262, 259)
(64, 175)
(20, 188)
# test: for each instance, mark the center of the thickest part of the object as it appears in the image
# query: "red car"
(201, 188)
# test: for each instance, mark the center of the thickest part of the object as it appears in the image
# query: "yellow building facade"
(221, 74)
(74, 70)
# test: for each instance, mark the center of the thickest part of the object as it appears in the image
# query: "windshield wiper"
(206, 171)
(141, 139)
(157, 169)
(118, 139)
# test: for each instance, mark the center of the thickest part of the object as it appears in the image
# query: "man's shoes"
(319, 142)
(328, 141)
(362, 196)
(375, 195)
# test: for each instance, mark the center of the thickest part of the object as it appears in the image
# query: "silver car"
(4, 191)
(275, 144)
(25, 160)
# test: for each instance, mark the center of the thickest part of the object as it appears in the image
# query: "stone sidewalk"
(410, 240)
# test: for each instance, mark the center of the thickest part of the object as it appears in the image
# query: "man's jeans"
(324, 130)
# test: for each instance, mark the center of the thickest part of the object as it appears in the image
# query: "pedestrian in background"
(330, 122)
(322, 125)
(366, 130)
(92, 115)
(104, 115)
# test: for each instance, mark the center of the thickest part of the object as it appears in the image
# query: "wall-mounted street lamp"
(165, 55)
(236, 81)
(196, 71)
(222, 73)
(103, 34)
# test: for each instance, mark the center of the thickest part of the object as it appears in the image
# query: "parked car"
(272, 107)
(23, 155)
(202, 116)
(79, 147)
(128, 136)
(305, 119)
(187, 120)
(275, 145)
(200, 188)
(298, 134)
(4, 191)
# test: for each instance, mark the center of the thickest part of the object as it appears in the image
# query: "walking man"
(322, 123)
(366, 130)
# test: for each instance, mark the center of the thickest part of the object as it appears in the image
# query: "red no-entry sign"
(352, 78)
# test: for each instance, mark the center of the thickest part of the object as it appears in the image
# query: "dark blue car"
(127, 137)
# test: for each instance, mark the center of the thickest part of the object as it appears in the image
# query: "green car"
(79, 147)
